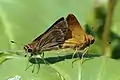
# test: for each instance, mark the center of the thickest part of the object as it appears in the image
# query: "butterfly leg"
(43, 54)
(38, 68)
(33, 68)
(26, 54)
(85, 51)
(38, 65)
(74, 53)
(76, 49)
(42, 57)
(28, 66)
(82, 57)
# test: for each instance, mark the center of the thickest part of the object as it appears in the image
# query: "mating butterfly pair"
(64, 33)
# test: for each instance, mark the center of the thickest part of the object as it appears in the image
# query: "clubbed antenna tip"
(12, 42)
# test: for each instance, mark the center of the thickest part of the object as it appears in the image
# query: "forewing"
(75, 27)
(53, 36)
(59, 24)
(51, 40)
(75, 34)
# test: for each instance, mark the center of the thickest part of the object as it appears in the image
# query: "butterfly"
(76, 37)
(50, 39)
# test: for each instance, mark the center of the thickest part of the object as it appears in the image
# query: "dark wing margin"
(54, 26)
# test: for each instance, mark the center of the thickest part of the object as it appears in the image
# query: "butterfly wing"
(53, 36)
(59, 24)
(75, 34)
(74, 25)
(52, 40)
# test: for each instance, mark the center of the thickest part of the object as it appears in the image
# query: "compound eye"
(29, 50)
(92, 41)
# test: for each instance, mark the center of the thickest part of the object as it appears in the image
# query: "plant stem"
(107, 27)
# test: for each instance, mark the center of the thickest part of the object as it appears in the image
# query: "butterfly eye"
(29, 50)
(92, 41)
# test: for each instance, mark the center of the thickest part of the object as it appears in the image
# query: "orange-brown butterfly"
(76, 37)
(50, 39)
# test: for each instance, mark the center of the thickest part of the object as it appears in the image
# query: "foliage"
(23, 20)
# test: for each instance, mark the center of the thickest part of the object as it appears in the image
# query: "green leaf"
(98, 68)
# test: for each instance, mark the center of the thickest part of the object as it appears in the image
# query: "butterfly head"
(91, 39)
(28, 48)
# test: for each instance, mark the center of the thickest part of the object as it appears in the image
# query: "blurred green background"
(24, 20)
